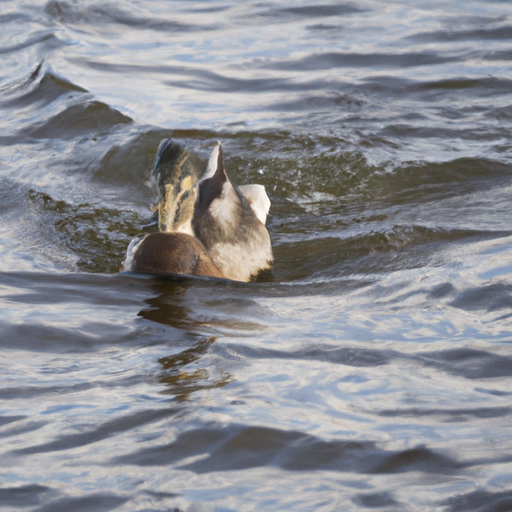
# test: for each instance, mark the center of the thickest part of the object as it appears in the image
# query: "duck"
(207, 225)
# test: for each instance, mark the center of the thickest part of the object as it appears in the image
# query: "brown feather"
(176, 253)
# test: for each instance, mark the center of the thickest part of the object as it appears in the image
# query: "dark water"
(370, 369)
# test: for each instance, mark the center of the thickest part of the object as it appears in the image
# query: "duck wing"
(226, 224)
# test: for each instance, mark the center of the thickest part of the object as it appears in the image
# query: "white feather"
(258, 199)
(130, 252)
(211, 168)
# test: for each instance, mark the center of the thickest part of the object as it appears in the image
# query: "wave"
(237, 447)
(503, 33)
(468, 363)
(92, 118)
(41, 87)
(73, 13)
(47, 106)
(330, 60)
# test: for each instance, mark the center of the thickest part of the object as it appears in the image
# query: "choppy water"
(370, 369)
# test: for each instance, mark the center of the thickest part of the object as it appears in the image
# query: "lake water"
(370, 369)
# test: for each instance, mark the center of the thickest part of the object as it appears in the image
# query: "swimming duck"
(208, 226)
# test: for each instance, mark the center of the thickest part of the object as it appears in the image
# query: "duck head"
(175, 177)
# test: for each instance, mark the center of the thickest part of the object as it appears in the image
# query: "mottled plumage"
(208, 226)
(174, 177)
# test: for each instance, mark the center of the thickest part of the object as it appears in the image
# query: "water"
(370, 369)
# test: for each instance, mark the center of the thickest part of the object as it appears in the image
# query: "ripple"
(108, 429)
(99, 502)
(450, 414)
(241, 448)
(73, 13)
(469, 363)
(375, 500)
(91, 117)
(34, 39)
(480, 501)
(308, 12)
(330, 60)
(24, 496)
(498, 33)
(39, 88)
(493, 297)
(356, 357)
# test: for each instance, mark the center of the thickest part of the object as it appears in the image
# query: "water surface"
(371, 368)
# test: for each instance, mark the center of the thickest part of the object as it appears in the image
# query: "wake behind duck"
(207, 225)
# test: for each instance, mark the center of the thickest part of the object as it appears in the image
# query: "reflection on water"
(166, 308)
(369, 368)
(182, 374)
